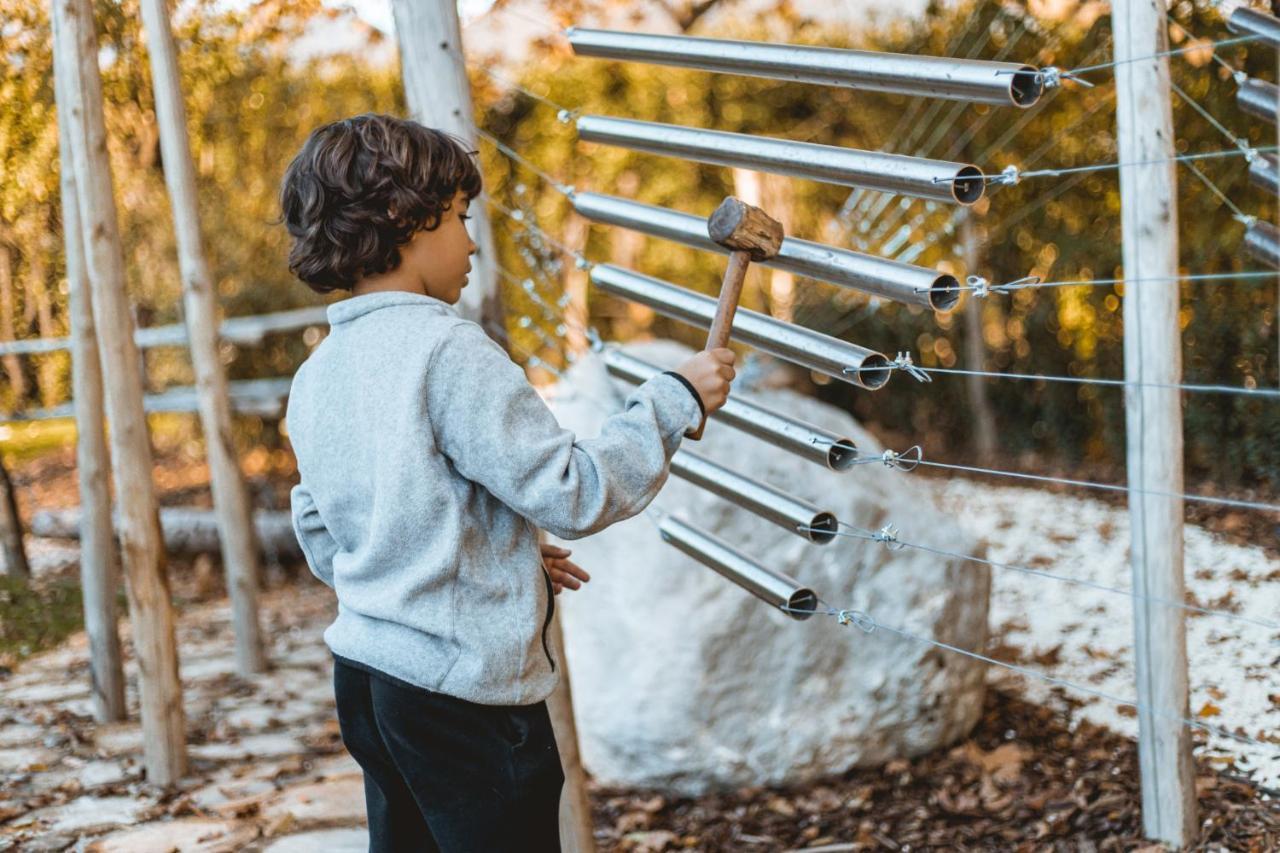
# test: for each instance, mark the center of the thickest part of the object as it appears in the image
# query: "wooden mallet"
(749, 234)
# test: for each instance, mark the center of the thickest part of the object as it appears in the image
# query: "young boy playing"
(428, 465)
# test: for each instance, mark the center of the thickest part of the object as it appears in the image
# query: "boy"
(427, 465)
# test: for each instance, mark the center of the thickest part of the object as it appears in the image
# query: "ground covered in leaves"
(1029, 778)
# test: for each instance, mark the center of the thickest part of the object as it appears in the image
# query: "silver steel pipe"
(891, 173)
(836, 452)
(765, 584)
(791, 513)
(880, 276)
(1251, 22)
(1259, 99)
(1262, 240)
(977, 81)
(1264, 173)
(805, 347)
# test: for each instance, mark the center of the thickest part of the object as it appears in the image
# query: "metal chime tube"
(1254, 23)
(977, 81)
(805, 347)
(1264, 173)
(765, 584)
(880, 276)
(789, 512)
(1262, 241)
(1259, 99)
(891, 173)
(805, 440)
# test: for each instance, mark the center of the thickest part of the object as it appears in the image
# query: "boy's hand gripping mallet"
(749, 234)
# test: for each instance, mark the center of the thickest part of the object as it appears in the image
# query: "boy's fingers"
(562, 577)
(557, 588)
(555, 551)
(573, 569)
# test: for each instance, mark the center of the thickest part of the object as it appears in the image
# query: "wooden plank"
(150, 608)
(245, 331)
(186, 530)
(99, 559)
(1153, 416)
(438, 93)
(230, 498)
(264, 398)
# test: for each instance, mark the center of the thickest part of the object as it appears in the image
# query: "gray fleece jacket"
(428, 464)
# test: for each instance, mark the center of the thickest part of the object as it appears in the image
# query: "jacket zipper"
(551, 612)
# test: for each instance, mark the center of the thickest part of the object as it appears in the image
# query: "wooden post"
(974, 351)
(230, 498)
(1153, 416)
(575, 808)
(438, 93)
(150, 608)
(99, 560)
(14, 554)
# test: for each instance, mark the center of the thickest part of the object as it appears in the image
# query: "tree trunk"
(15, 556)
(975, 352)
(151, 611)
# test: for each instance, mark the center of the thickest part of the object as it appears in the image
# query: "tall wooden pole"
(99, 562)
(438, 93)
(974, 350)
(230, 498)
(150, 608)
(576, 834)
(1153, 416)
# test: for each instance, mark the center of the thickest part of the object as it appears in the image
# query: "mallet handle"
(734, 275)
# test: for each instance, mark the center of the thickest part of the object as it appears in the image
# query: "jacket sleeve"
(318, 546)
(495, 429)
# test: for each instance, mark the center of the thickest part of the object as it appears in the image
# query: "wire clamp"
(908, 460)
(1009, 176)
(1051, 77)
(581, 262)
(597, 344)
(979, 286)
(565, 116)
(888, 535)
(856, 618)
(903, 362)
(1245, 219)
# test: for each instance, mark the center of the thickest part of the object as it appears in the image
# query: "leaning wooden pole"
(438, 93)
(230, 498)
(99, 560)
(151, 611)
(1153, 416)
(576, 835)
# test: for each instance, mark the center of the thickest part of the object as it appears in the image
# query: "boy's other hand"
(563, 572)
(710, 372)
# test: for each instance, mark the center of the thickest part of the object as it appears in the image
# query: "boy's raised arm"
(318, 546)
(499, 433)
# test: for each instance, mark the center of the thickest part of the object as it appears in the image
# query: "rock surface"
(684, 681)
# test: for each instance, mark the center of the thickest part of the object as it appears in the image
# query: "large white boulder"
(683, 681)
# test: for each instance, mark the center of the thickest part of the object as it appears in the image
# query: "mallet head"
(742, 227)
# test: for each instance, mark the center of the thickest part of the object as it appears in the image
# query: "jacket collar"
(357, 306)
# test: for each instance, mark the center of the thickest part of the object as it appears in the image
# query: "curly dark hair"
(360, 189)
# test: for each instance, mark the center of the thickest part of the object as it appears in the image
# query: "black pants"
(443, 774)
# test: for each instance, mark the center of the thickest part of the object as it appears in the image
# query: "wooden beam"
(576, 835)
(150, 608)
(1153, 416)
(199, 301)
(438, 92)
(264, 398)
(975, 350)
(99, 559)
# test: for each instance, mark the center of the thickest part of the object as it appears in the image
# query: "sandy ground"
(1085, 635)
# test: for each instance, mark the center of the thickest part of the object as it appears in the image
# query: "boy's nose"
(474, 248)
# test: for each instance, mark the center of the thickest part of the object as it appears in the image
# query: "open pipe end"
(1026, 87)
(968, 185)
(944, 293)
(874, 371)
(802, 604)
(822, 528)
(842, 455)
